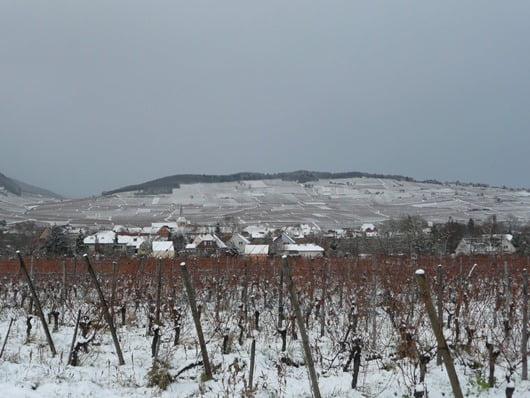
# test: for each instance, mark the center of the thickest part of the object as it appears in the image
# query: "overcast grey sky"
(95, 95)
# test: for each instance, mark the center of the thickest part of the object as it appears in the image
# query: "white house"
(238, 242)
(101, 237)
(308, 250)
(207, 244)
(256, 231)
(131, 243)
(163, 249)
(102, 242)
(369, 230)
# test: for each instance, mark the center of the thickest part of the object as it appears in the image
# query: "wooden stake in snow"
(524, 337)
(280, 300)
(7, 336)
(63, 293)
(252, 363)
(69, 361)
(373, 304)
(301, 326)
(156, 338)
(106, 312)
(37, 304)
(193, 306)
(113, 290)
(439, 305)
(442, 344)
(323, 301)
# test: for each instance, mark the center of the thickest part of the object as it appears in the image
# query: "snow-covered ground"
(27, 368)
(326, 203)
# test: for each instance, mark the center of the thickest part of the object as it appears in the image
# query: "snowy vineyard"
(228, 327)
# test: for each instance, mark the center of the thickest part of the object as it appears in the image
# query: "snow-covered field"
(325, 203)
(389, 360)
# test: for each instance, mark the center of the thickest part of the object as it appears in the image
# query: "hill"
(19, 188)
(167, 184)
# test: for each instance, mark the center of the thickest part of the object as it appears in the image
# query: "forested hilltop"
(166, 184)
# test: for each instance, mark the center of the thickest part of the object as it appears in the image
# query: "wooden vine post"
(106, 312)
(373, 304)
(156, 338)
(252, 364)
(524, 337)
(74, 338)
(37, 305)
(301, 327)
(442, 344)
(280, 300)
(196, 319)
(113, 289)
(63, 292)
(324, 271)
(7, 336)
(439, 305)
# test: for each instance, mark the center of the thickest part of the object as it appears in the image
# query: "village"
(408, 236)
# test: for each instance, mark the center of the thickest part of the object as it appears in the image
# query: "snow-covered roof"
(163, 246)
(306, 247)
(211, 238)
(256, 231)
(191, 246)
(254, 250)
(285, 238)
(119, 228)
(102, 237)
(241, 237)
(367, 227)
(134, 241)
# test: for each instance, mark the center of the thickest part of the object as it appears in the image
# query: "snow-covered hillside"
(325, 203)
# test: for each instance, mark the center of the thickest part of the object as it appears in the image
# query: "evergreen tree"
(57, 241)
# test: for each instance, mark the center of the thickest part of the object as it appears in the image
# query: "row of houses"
(486, 244)
(157, 243)
(165, 239)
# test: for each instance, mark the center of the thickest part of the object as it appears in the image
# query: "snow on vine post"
(305, 340)
(196, 319)
(106, 312)
(37, 304)
(442, 344)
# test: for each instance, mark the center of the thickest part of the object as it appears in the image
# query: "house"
(302, 230)
(486, 244)
(369, 230)
(307, 250)
(280, 241)
(256, 231)
(238, 242)
(207, 244)
(162, 249)
(285, 245)
(256, 250)
(131, 244)
(101, 242)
